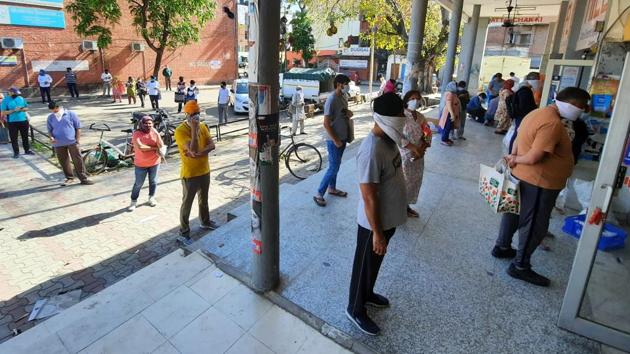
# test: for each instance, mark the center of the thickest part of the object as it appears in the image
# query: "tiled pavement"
(175, 305)
(56, 238)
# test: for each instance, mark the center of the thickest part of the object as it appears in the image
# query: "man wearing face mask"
(337, 124)
(297, 104)
(382, 207)
(64, 128)
(542, 159)
(14, 109)
(194, 143)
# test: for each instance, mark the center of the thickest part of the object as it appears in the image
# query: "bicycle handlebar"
(98, 127)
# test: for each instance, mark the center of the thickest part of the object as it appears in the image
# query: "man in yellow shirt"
(194, 143)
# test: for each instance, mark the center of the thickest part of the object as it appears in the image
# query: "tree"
(392, 19)
(301, 37)
(163, 24)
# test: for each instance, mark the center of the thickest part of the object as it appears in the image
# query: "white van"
(240, 91)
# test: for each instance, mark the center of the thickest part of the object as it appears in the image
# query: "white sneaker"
(152, 201)
(132, 206)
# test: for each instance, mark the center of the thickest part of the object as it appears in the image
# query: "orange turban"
(191, 107)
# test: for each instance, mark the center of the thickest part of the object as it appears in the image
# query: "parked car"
(240, 92)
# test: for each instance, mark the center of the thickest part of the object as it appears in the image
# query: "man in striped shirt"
(71, 81)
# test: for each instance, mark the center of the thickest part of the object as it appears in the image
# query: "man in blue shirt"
(64, 128)
(14, 108)
(475, 107)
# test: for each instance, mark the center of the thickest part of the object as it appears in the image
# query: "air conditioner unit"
(11, 43)
(137, 47)
(89, 45)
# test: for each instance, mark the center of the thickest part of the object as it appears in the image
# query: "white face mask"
(392, 126)
(59, 113)
(346, 89)
(568, 111)
(412, 105)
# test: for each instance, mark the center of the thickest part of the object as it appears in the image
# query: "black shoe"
(29, 153)
(184, 241)
(15, 156)
(377, 300)
(87, 182)
(211, 226)
(364, 323)
(498, 252)
(528, 275)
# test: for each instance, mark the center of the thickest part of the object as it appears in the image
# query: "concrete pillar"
(414, 44)
(475, 67)
(557, 38)
(549, 42)
(453, 37)
(468, 44)
(578, 17)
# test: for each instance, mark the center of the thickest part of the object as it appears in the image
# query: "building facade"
(48, 41)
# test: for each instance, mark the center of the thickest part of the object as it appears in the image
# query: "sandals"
(319, 201)
(446, 143)
(412, 213)
(338, 193)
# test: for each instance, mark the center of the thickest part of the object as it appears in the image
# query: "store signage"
(356, 51)
(10, 60)
(353, 64)
(45, 3)
(60, 65)
(29, 16)
(595, 11)
(524, 20)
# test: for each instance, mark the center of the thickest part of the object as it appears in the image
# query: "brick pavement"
(56, 239)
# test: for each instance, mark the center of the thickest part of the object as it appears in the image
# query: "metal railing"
(41, 138)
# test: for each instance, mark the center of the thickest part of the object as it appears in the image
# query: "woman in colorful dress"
(417, 133)
(131, 90)
(503, 116)
(118, 87)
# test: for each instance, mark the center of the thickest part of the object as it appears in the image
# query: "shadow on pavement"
(74, 225)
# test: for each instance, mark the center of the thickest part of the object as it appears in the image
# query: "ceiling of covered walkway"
(498, 8)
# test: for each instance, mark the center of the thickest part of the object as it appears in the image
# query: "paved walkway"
(56, 238)
(448, 294)
(176, 305)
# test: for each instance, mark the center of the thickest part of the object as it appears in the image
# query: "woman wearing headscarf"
(502, 116)
(417, 133)
(449, 119)
(147, 144)
(297, 110)
(390, 86)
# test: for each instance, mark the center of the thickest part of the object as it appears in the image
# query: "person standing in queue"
(14, 109)
(382, 207)
(194, 143)
(147, 143)
(542, 159)
(337, 124)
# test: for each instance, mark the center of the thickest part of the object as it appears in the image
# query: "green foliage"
(164, 24)
(301, 36)
(94, 18)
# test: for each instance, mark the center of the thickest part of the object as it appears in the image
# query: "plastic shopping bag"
(507, 138)
(499, 188)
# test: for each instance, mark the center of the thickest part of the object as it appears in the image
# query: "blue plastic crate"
(612, 236)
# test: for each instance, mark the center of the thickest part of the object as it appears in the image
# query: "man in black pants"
(542, 159)
(382, 207)
(14, 108)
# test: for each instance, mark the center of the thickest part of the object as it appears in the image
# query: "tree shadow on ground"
(74, 225)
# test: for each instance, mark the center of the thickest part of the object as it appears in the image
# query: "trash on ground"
(51, 306)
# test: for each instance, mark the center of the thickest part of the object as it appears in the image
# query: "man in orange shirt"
(542, 159)
(194, 143)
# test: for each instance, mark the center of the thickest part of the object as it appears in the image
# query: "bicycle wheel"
(95, 161)
(303, 160)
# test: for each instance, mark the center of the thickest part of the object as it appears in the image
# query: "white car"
(240, 90)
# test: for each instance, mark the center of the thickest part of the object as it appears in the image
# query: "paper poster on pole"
(595, 11)
(252, 37)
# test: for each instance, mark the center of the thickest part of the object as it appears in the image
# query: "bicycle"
(301, 159)
(97, 159)
(161, 123)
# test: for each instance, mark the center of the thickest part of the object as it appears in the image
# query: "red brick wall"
(218, 42)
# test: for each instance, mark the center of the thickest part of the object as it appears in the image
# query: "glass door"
(597, 300)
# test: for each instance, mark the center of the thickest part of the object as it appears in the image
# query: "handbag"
(499, 189)
(179, 97)
(350, 130)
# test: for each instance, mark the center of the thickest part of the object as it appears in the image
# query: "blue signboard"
(45, 3)
(29, 16)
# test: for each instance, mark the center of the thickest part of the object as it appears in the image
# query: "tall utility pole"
(264, 139)
(372, 48)
(414, 44)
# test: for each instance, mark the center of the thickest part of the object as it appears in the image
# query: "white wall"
(345, 29)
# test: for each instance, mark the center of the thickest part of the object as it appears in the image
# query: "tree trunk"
(159, 53)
